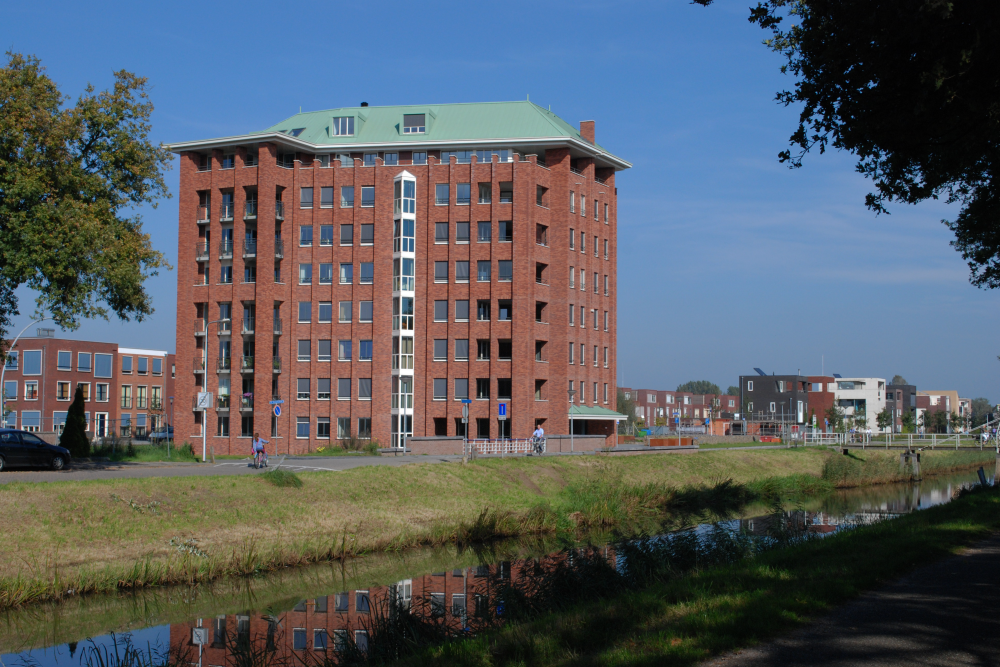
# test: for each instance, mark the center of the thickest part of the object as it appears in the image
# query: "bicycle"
(538, 446)
(260, 460)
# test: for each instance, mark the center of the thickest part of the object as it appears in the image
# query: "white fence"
(503, 447)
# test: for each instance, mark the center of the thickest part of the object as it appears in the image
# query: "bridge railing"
(502, 446)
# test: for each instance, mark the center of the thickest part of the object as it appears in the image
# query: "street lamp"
(572, 393)
(3, 370)
(204, 415)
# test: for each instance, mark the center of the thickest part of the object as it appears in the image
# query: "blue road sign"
(677, 420)
(467, 400)
(503, 409)
(277, 410)
(276, 402)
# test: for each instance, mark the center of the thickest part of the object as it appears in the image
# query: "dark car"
(22, 449)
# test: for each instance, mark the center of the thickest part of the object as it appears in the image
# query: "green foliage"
(279, 477)
(74, 435)
(835, 415)
(935, 422)
(908, 421)
(898, 379)
(980, 408)
(884, 418)
(733, 390)
(70, 177)
(699, 387)
(916, 104)
(626, 406)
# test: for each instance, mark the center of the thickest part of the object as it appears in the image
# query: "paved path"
(107, 470)
(946, 614)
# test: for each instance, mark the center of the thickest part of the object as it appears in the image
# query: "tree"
(981, 407)
(907, 421)
(835, 416)
(699, 387)
(69, 177)
(911, 89)
(733, 390)
(898, 379)
(626, 406)
(74, 435)
(884, 418)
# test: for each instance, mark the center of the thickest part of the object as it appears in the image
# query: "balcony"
(199, 364)
(277, 327)
(276, 364)
(249, 248)
(250, 210)
(225, 249)
(279, 249)
(246, 364)
(226, 212)
(224, 364)
(201, 252)
(576, 171)
(222, 402)
(248, 325)
(246, 403)
(155, 404)
(203, 215)
(506, 197)
(199, 327)
(279, 210)
(225, 327)
(600, 180)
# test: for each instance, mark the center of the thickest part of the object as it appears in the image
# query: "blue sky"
(727, 259)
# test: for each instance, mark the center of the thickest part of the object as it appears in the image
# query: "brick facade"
(564, 171)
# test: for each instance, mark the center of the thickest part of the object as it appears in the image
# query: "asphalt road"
(107, 470)
(946, 614)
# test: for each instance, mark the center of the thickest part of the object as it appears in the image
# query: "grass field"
(687, 619)
(107, 535)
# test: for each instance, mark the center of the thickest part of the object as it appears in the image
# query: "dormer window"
(413, 123)
(296, 132)
(342, 127)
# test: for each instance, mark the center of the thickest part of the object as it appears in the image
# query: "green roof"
(593, 412)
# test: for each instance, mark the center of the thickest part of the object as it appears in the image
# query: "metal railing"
(277, 327)
(227, 211)
(506, 197)
(222, 402)
(279, 210)
(250, 209)
(246, 363)
(276, 364)
(224, 364)
(199, 364)
(248, 325)
(225, 327)
(600, 180)
(246, 402)
(203, 214)
(503, 446)
(250, 247)
(225, 248)
(200, 328)
(201, 252)
(279, 248)
(576, 171)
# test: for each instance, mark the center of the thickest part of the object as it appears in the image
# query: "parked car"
(22, 449)
(162, 435)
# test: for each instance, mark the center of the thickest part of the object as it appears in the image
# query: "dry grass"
(106, 535)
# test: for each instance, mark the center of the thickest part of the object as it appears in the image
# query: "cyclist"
(258, 449)
(538, 437)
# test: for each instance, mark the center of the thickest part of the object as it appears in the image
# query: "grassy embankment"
(107, 535)
(687, 619)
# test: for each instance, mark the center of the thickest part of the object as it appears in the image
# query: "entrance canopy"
(594, 412)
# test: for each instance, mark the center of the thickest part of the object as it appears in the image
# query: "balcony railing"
(199, 327)
(225, 249)
(250, 209)
(600, 180)
(277, 327)
(250, 247)
(227, 211)
(246, 402)
(279, 210)
(248, 325)
(279, 248)
(199, 364)
(201, 252)
(246, 364)
(576, 171)
(203, 215)
(224, 364)
(155, 404)
(276, 364)
(506, 197)
(225, 327)
(222, 402)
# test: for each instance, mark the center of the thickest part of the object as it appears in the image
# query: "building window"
(344, 350)
(302, 427)
(368, 234)
(326, 197)
(367, 276)
(506, 270)
(102, 392)
(342, 126)
(440, 232)
(365, 311)
(572, 277)
(369, 159)
(441, 311)
(365, 389)
(345, 311)
(62, 391)
(483, 389)
(482, 427)
(572, 348)
(419, 157)
(605, 214)
(461, 349)
(302, 389)
(483, 310)
(306, 197)
(324, 350)
(10, 363)
(462, 232)
(583, 205)
(463, 194)
(440, 389)
(304, 352)
(305, 235)
(347, 196)
(365, 427)
(344, 389)
(572, 239)
(483, 350)
(64, 360)
(441, 194)
(485, 193)
(368, 196)
(305, 274)
(483, 271)
(605, 320)
(126, 364)
(506, 231)
(392, 159)
(572, 202)
(749, 385)
(461, 272)
(323, 428)
(346, 274)
(485, 232)
(157, 366)
(461, 388)
(325, 312)
(31, 391)
(365, 350)
(462, 310)
(505, 308)
(343, 427)
(572, 314)
(440, 349)
(305, 311)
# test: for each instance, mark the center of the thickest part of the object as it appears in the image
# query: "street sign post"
(277, 410)
(199, 636)
(204, 400)
(502, 410)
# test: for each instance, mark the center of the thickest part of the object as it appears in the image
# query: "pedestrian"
(538, 437)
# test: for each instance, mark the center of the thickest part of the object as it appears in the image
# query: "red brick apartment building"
(410, 257)
(126, 391)
(655, 404)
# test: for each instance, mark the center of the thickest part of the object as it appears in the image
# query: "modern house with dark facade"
(779, 399)
(412, 258)
(900, 399)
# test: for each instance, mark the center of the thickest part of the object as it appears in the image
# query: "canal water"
(312, 610)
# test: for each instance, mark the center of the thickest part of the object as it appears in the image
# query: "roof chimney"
(364, 104)
(587, 130)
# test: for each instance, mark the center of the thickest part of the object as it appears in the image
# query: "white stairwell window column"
(403, 298)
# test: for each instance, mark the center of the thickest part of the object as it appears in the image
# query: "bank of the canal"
(101, 536)
(309, 597)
